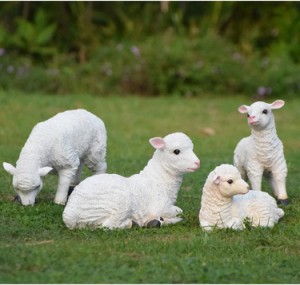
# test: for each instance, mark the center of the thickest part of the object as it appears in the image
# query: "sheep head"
(26, 185)
(260, 114)
(227, 179)
(175, 153)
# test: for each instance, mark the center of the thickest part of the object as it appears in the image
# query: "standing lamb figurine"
(146, 199)
(64, 142)
(262, 152)
(223, 207)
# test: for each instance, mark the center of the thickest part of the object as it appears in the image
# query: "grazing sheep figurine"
(223, 207)
(64, 142)
(262, 152)
(145, 199)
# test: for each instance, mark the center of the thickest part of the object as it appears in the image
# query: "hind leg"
(270, 179)
(112, 223)
(96, 162)
(76, 179)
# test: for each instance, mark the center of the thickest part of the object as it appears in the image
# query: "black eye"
(176, 151)
(230, 181)
(248, 115)
(265, 111)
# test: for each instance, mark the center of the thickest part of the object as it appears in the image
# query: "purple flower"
(263, 91)
(2, 51)
(135, 50)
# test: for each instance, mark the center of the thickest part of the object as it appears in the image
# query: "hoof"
(283, 202)
(154, 224)
(71, 188)
(17, 199)
(135, 224)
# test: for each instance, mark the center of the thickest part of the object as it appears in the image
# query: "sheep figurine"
(261, 154)
(227, 201)
(64, 142)
(146, 199)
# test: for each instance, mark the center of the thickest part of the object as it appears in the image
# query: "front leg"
(280, 190)
(255, 180)
(170, 216)
(65, 177)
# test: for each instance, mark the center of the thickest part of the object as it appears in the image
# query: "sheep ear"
(277, 104)
(44, 171)
(217, 179)
(157, 142)
(9, 168)
(243, 109)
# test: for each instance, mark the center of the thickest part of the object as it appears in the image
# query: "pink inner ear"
(217, 179)
(157, 142)
(243, 109)
(277, 104)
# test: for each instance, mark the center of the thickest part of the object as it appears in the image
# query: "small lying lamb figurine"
(262, 152)
(223, 207)
(145, 199)
(64, 142)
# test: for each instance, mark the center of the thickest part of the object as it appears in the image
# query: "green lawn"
(35, 246)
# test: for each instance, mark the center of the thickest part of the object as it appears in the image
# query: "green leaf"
(45, 35)
(26, 31)
(40, 19)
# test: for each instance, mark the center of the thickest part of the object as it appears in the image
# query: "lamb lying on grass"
(64, 142)
(146, 199)
(262, 152)
(222, 207)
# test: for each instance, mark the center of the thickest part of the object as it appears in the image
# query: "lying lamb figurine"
(262, 152)
(113, 201)
(222, 207)
(64, 142)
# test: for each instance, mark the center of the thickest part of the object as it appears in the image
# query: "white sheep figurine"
(261, 154)
(64, 142)
(146, 199)
(227, 201)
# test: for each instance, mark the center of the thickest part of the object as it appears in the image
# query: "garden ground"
(36, 247)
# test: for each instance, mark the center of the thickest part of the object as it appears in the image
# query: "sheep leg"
(65, 176)
(171, 216)
(280, 190)
(172, 220)
(255, 181)
(97, 163)
(115, 223)
(76, 179)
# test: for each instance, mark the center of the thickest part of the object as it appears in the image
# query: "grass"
(35, 246)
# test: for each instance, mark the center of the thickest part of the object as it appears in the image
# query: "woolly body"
(262, 152)
(227, 201)
(64, 142)
(113, 201)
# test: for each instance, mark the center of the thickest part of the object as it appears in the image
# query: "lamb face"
(260, 113)
(229, 181)
(175, 152)
(27, 187)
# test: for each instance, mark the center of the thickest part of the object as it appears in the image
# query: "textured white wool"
(225, 205)
(262, 152)
(64, 142)
(112, 201)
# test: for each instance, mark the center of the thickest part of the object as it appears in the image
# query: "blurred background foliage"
(151, 48)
